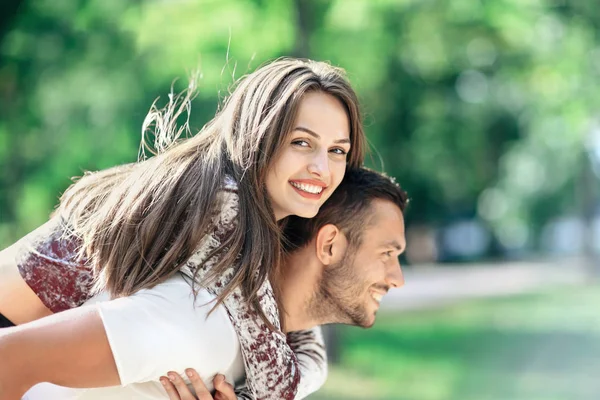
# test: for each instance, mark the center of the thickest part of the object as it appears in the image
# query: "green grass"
(543, 346)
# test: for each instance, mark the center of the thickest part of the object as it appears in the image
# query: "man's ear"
(331, 244)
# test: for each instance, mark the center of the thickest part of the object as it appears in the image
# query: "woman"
(132, 227)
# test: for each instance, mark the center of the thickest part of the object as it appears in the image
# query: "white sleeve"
(161, 329)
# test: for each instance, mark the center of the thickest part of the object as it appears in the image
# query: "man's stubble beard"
(338, 296)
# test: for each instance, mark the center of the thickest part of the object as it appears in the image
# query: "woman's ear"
(331, 244)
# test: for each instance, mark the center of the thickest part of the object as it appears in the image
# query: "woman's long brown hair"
(141, 222)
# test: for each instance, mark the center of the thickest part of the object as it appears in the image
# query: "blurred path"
(435, 285)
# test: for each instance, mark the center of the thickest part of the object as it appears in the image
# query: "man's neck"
(301, 273)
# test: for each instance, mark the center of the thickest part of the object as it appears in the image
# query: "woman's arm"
(42, 274)
(67, 349)
(18, 302)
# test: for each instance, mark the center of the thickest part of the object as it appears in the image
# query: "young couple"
(206, 255)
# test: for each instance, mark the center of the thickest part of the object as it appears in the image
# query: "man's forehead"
(384, 210)
(380, 235)
(385, 224)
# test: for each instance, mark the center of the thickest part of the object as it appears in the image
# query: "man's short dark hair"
(347, 208)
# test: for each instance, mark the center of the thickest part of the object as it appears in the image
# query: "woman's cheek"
(340, 170)
(294, 161)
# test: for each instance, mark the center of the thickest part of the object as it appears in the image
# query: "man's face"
(350, 291)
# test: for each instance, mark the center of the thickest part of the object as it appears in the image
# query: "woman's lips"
(308, 195)
(309, 188)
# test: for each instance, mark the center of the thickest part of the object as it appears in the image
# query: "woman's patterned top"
(277, 367)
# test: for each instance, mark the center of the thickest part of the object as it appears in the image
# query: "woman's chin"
(307, 212)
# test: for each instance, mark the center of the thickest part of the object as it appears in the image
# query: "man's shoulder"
(173, 303)
(165, 328)
(208, 330)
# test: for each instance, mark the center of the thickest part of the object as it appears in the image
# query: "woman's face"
(312, 161)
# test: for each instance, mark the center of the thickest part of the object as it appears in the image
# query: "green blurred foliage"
(479, 108)
(528, 347)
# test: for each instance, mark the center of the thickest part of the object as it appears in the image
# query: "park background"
(486, 112)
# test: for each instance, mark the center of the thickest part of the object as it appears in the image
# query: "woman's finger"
(170, 388)
(182, 389)
(198, 385)
(224, 389)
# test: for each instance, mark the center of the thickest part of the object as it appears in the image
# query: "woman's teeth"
(307, 188)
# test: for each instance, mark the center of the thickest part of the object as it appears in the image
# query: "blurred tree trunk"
(589, 199)
(10, 9)
(303, 15)
(310, 15)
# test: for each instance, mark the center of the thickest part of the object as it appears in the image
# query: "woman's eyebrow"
(312, 133)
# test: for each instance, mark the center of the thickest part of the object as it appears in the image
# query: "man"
(339, 266)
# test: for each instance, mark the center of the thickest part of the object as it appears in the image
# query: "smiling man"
(338, 267)
(343, 261)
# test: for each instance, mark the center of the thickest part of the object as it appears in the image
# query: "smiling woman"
(313, 160)
(207, 207)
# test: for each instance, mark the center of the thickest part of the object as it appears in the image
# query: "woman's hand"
(178, 390)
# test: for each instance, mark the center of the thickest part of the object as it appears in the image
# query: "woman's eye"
(339, 150)
(301, 143)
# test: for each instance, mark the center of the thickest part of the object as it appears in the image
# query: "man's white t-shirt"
(156, 331)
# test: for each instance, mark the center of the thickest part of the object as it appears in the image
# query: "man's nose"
(395, 277)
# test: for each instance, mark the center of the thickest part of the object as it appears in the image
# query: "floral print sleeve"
(48, 262)
(309, 347)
